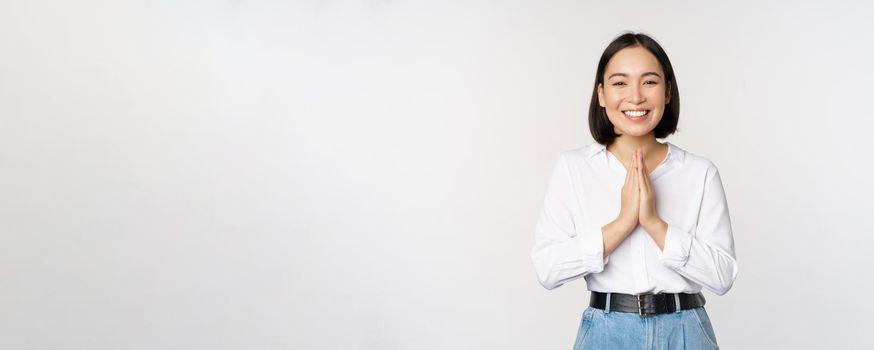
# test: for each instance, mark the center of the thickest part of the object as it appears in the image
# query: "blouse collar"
(674, 152)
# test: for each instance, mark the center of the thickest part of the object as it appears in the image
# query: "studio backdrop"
(368, 174)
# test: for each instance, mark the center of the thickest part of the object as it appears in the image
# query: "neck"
(624, 146)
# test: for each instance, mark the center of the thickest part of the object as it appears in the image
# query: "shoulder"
(694, 161)
(582, 153)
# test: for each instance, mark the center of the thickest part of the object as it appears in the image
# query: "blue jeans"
(686, 329)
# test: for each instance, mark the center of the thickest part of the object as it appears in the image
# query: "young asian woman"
(645, 223)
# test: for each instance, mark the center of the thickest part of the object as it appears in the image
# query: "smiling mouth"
(638, 114)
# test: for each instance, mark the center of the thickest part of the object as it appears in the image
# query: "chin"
(636, 132)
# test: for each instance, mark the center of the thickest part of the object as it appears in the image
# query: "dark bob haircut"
(600, 126)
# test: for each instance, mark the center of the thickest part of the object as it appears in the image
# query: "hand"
(630, 208)
(648, 217)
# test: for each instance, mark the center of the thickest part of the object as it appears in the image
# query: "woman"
(645, 223)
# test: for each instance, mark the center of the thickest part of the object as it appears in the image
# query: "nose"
(635, 95)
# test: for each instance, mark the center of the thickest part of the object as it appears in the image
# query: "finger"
(639, 169)
(628, 181)
(637, 174)
(647, 179)
(644, 181)
(640, 160)
(637, 158)
(644, 174)
(629, 172)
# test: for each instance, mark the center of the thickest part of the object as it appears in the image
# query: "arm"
(565, 249)
(705, 256)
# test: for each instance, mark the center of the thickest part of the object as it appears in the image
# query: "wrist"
(625, 224)
(655, 225)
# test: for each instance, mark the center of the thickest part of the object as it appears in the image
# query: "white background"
(368, 174)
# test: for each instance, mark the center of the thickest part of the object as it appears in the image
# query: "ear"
(601, 94)
(668, 94)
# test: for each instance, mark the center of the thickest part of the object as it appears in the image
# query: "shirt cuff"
(678, 243)
(592, 247)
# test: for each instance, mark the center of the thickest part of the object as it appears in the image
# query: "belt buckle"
(645, 304)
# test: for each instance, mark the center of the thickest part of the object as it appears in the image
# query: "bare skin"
(634, 81)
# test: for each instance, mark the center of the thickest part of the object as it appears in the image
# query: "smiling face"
(634, 92)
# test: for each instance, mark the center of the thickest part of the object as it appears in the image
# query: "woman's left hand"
(648, 216)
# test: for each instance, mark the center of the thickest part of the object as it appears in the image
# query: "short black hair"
(599, 125)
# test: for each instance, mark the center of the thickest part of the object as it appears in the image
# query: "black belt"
(646, 304)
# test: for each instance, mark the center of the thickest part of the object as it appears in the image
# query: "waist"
(646, 304)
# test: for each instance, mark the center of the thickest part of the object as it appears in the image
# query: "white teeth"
(635, 113)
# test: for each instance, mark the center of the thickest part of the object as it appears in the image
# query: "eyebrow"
(625, 75)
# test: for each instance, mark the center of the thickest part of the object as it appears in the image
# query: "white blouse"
(584, 194)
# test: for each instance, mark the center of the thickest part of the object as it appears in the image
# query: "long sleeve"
(705, 256)
(565, 248)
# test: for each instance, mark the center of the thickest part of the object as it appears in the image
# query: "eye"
(619, 83)
(651, 82)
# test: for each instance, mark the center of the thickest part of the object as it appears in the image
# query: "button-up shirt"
(584, 194)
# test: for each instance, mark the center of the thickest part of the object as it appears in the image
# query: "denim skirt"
(685, 329)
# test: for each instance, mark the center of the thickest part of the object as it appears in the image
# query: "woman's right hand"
(615, 231)
(630, 209)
